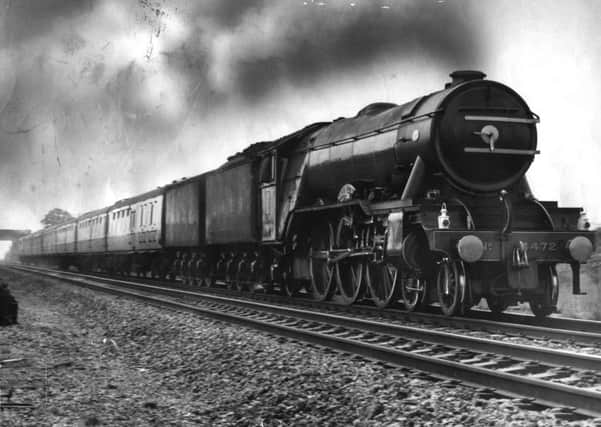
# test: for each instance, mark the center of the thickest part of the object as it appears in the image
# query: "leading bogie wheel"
(450, 286)
(544, 305)
(413, 291)
(319, 267)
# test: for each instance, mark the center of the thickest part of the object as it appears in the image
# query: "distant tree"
(55, 216)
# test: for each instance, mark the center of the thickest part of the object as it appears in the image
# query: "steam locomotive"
(420, 203)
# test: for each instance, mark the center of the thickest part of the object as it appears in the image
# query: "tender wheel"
(450, 285)
(497, 304)
(544, 305)
(382, 281)
(413, 291)
(348, 273)
(319, 268)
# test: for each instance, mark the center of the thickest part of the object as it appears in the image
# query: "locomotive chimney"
(461, 76)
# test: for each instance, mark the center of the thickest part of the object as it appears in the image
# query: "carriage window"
(151, 212)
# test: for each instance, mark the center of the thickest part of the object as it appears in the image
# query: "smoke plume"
(101, 99)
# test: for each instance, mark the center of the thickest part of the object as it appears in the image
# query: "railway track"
(510, 325)
(540, 375)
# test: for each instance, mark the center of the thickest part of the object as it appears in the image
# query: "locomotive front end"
(485, 136)
(491, 237)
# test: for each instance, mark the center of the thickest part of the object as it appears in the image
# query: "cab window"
(267, 169)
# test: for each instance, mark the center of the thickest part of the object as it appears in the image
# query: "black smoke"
(312, 41)
(105, 96)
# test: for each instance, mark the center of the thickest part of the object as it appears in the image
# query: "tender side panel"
(118, 236)
(185, 214)
(146, 223)
(231, 205)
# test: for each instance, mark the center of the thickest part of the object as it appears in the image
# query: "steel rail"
(587, 401)
(521, 324)
(560, 328)
(469, 323)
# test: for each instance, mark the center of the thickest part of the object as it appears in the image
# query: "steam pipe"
(508, 211)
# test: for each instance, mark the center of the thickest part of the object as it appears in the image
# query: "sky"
(103, 99)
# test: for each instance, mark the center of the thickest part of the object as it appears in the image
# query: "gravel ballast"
(95, 359)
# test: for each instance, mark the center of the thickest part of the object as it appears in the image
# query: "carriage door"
(267, 185)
